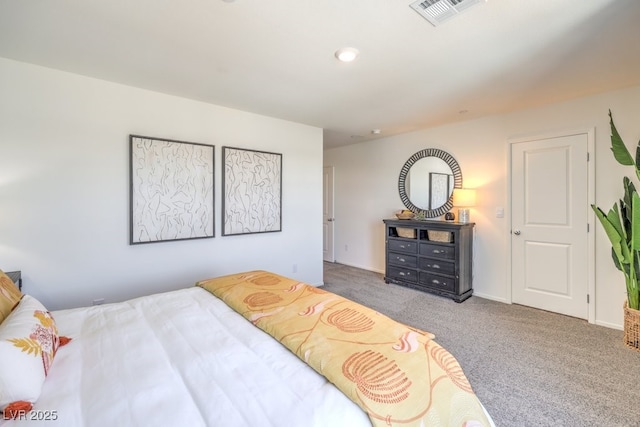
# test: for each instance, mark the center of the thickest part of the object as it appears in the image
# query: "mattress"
(180, 358)
(183, 358)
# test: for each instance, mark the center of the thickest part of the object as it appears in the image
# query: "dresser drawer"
(403, 246)
(438, 265)
(438, 282)
(407, 274)
(403, 260)
(438, 251)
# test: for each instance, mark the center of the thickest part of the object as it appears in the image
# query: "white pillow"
(28, 343)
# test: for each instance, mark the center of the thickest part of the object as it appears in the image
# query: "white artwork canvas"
(252, 187)
(441, 188)
(172, 190)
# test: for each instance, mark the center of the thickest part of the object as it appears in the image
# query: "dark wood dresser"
(432, 256)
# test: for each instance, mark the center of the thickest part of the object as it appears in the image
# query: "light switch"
(499, 212)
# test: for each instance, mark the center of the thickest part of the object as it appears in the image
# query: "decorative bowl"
(405, 215)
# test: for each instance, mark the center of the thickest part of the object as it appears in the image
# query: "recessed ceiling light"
(347, 54)
(376, 131)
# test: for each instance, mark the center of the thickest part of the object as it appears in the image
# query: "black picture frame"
(251, 191)
(171, 190)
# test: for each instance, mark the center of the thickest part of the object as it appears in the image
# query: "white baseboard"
(351, 265)
(361, 267)
(491, 297)
(609, 325)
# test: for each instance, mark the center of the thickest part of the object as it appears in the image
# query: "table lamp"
(463, 199)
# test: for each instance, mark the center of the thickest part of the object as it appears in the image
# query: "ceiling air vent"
(438, 11)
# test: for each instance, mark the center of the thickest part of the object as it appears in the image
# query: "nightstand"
(16, 276)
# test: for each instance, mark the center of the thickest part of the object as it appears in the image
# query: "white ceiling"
(276, 57)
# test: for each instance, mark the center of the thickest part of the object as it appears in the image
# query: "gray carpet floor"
(528, 367)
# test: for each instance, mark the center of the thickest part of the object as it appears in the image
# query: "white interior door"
(549, 234)
(328, 220)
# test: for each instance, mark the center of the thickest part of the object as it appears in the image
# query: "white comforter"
(181, 358)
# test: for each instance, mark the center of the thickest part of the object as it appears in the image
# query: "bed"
(249, 349)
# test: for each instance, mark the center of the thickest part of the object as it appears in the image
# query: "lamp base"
(463, 215)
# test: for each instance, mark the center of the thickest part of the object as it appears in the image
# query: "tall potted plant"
(622, 225)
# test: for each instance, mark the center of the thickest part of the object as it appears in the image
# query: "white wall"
(64, 189)
(366, 177)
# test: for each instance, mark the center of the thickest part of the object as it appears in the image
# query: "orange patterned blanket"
(397, 374)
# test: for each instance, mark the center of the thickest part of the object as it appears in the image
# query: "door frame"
(333, 213)
(591, 199)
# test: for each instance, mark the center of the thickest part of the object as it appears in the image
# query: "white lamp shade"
(464, 197)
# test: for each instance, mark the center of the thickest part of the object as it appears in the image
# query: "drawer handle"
(436, 251)
(401, 273)
(434, 266)
(403, 246)
(400, 259)
(437, 282)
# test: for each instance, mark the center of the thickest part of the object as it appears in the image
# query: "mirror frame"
(457, 181)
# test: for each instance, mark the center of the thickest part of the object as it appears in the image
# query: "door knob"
(516, 232)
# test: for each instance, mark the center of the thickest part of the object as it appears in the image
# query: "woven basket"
(439, 236)
(407, 233)
(631, 327)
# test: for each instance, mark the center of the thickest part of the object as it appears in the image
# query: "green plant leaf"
(619, 249)
(633, 291)
(633, 294)
(616, 261)
(635, 222)
(626, 209)
(638, 160)
(625, 218)
(614, 218)
(625, 226)
(620, 151)
(629, 189)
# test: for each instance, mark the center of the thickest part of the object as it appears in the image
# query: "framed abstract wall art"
(252, 191)
(440, 189)
(171, 190)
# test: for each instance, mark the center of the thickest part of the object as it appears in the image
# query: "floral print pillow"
(9, 295)
(28, 343)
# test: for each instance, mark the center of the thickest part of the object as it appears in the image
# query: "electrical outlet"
(295, 268)
(98, 301)
(346, 248)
